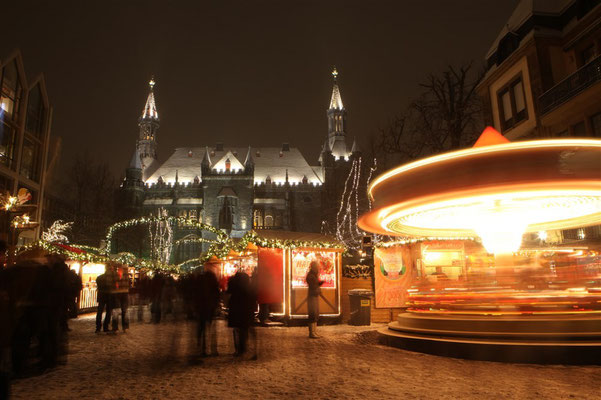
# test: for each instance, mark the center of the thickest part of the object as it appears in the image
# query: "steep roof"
(268, 161)
(135, 161)
(524, 10)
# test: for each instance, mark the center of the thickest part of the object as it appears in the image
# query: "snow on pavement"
(151, 362)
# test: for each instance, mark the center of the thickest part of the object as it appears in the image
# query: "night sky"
(241, 72)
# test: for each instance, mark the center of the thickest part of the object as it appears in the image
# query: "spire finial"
(152, 82)
(335, 73)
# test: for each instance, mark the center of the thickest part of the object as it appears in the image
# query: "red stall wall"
(270, 275)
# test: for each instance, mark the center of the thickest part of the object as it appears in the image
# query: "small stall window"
(301, 260)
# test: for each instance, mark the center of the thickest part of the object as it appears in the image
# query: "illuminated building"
(25, 118)
(543, 75)
(238, 188)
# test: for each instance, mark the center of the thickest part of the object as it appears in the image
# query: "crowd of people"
(38, 295)
(194, 296)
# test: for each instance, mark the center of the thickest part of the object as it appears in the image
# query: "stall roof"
(296, 236)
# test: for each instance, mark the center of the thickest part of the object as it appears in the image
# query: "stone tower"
(336, 141)
(147, 140)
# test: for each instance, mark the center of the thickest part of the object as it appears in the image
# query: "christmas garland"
(181, 221)
(357, 271)
(403, 241)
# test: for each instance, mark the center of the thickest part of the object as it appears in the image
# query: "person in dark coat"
(241, 312)
(156, 294)
(120, 298)
(74, 289)
(207, 312)
(103, 287)
(313, 293)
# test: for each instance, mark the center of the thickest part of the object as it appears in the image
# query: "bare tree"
(449, 111)
(446, 116)
(92, 188)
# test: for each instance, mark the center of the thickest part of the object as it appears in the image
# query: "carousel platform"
(557, 339)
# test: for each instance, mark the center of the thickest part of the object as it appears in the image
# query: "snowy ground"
(150, 362)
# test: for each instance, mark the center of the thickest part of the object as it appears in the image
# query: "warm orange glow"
(489, 137)
(529, 187)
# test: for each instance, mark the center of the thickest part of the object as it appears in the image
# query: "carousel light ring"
(497, 192)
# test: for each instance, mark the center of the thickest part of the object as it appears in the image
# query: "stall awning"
(300, 237)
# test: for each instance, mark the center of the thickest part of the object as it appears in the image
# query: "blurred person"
(5, 334)
(55, 350)
(74, 287)
(28, 285)
(120, 298)
(241, 310)
(103, 287)
(144, 295)
(313, 294)
(208, 309)
(156, 294)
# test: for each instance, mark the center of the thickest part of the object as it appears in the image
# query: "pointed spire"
(336, 100)
(135, 162)
(355, 148)
(150, 109)
(176, 176)
(249, 158)
(206, 159)
(286, 175)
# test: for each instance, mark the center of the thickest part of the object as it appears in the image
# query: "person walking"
(103, 288)
(313, 294)
(238, 316)
(207, 313)
(120, 298)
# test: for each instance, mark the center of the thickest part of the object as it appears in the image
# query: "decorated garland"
(403, 241)
(357, 271)
(181, 221)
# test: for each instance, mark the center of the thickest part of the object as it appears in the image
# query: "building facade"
(543, 80)
(237, 188)
(543, 75)
(25, 118)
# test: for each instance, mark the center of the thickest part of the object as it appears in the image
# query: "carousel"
(516, 295)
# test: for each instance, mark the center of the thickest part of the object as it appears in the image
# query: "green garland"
(181, 221)
(220, 247)
(403, 241)
(357, 271)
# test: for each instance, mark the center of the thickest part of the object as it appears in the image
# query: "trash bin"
(360, 306)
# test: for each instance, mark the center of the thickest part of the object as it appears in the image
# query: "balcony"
(574, 84)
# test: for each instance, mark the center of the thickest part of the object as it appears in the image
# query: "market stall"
(279, 261)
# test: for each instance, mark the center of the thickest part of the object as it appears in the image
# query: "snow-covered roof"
(268, 161)
(524, 10)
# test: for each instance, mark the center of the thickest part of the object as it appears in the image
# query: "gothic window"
(258, 218)
(268, 218)
(11, 91)
(226, 214)
(10, 95)
(278, 219)
(35, 112)
(193, 215)
(30, 159)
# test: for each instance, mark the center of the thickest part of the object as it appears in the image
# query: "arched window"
(35, 112)
(257, 219)
(268, 219)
